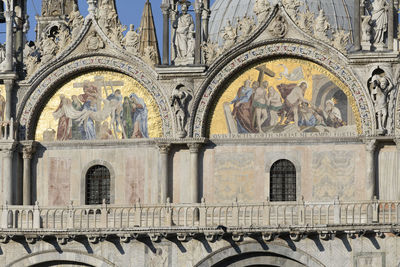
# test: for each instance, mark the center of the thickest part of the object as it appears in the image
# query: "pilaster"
(9, 14)
(7, 151)
(194, 149)
(28, 149)
(165, 11)
(164, 150)
(197, 53)
(370, 185)
(9, 86)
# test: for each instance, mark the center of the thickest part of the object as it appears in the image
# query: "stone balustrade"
(202, 215)
(156, 221)
(7, 131)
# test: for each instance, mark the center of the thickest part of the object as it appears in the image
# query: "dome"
(339, 13)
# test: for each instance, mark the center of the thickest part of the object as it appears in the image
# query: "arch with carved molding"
(247, 56)
(32, 104)
(274, 252)
(67, 256)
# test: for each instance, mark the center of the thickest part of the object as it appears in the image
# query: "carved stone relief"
(321, 27)
(94, 42)
(291, 7)
(246, 26)
(278, 27)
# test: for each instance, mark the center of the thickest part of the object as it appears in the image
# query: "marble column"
(9, 40)
(194, 172)
(205, 19)
(163, 173)
(92, 6)
(370, 187)
(165, 12)
(357, 25)
(27, 153)
(7, 152)
(9, 85)
(197, 53)
(390, 25)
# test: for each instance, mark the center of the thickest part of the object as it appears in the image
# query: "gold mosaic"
(285, 96)
(100, 105)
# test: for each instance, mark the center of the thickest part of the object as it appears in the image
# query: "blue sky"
(129, 11)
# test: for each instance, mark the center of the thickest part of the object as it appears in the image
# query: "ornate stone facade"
(258, 129)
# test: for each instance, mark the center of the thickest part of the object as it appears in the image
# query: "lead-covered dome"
(339, 13)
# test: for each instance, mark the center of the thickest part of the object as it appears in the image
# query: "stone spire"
(148, 38)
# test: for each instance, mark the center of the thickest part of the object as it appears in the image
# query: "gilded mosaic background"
(100, 105)
(285, 96)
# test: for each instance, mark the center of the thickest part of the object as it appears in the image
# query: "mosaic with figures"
(285, 96)
(100, 105)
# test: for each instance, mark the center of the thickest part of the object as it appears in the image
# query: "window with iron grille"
(283, 181)
(97, 185)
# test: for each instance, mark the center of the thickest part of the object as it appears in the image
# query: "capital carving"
(7, 149)
(397, 142)
(370, 145)
(164, 148)
(28, 151)
(194, 147)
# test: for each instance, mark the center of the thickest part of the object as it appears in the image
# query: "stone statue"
(261, 9)
(75, 21)
(52, 7)
(131, 40)
(229, 34)
(48, 48)
(379, 18)
(380, 87)
(63, 36)
(321, 27)
(184, 36)
(26, 27)
(366, 29)
(107, 16)
(178, 103)
(94, 42)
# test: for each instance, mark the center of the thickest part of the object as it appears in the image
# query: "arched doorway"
(254, 255)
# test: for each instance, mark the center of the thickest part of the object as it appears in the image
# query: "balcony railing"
(7, 131)
(175, 217)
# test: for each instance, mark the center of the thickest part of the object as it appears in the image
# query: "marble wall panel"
(388, 173)
(59, 181)
(333, 174)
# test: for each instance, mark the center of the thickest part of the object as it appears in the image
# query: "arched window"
(283, 181)
(97, 185)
